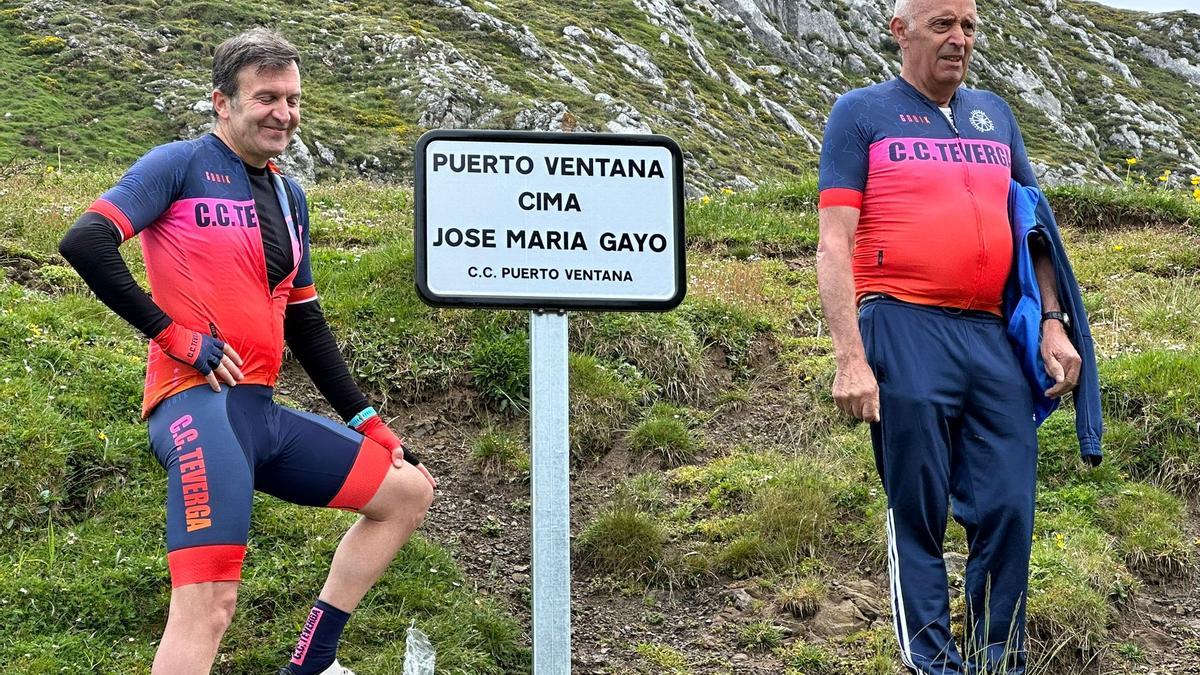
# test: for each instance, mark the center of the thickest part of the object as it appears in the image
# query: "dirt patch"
(483, 519)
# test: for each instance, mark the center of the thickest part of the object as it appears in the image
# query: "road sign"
(527, 220)
(549, 222)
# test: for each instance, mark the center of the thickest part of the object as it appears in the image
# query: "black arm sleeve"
(90, 246)
(312, 342)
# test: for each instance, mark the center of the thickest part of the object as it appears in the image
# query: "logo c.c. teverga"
(981, 121)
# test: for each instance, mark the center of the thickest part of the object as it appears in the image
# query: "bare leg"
(368, 547)
(197, 619)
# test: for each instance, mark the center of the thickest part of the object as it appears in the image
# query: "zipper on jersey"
(981, 256)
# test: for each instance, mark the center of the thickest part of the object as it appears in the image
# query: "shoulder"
(987, 100)
(171, 156)
(856, 98)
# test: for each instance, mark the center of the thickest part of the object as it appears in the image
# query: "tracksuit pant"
(956, 427)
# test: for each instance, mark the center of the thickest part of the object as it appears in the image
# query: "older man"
(915, 235)
(225, 240)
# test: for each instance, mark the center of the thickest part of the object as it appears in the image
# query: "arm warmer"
(90, 246)
(309, 337)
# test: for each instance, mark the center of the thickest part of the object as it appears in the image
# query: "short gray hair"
(260, 47)
(906, 11)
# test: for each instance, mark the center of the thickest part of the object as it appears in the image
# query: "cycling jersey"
(933, 226)
(192, 204)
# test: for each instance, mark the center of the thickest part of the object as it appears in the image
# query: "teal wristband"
(364, 415)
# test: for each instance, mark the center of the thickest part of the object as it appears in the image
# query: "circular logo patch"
(981, 121)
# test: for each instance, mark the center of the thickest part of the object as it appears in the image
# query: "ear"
(899, 31)
(221, 104)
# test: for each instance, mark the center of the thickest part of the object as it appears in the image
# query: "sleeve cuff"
(302, 294)
(841, 197)
(114, 214)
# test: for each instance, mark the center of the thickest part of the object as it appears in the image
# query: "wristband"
(356, 421)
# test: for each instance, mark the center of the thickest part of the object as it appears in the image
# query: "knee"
(221, 615)
(206, 608)
(404, 497)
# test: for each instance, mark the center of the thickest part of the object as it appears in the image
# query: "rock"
(742, 599)
(956, 563)
(297, 161)
(837, 619)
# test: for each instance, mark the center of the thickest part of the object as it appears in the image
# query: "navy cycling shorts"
(219, 447)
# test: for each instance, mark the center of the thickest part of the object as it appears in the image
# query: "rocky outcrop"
(744, 85)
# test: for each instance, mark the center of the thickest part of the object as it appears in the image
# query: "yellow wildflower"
(726, 191)
(49, 169)
(102, 436)
(704, 199)
(1118, 248)
(1131, 161)
(1164, 178)
(1196, 194)
(1060, 540)
(1195, 180)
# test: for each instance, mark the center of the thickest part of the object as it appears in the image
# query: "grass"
(499, 452)
(624, 541)
(664, 432)
(759, 634)
(76, 484)
(803, 658)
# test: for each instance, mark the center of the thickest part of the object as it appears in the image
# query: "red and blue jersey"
(192, 204)
(933, 226)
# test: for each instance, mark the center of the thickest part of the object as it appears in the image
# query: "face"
(938, 47)
(258, 121)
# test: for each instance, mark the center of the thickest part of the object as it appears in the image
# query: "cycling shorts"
(219, 447)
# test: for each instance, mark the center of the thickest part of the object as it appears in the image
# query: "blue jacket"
(1030, 215)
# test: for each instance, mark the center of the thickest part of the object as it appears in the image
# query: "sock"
(318, 643)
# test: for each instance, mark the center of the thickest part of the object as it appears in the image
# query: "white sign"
(541, 220)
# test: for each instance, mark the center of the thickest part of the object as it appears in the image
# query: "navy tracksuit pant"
(956, 427)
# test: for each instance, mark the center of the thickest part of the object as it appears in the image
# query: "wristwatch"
(1058, 316)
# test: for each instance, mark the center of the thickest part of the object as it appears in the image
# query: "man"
(226, 244)
(914, 232)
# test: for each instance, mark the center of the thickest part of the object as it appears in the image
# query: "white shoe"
(335, 669)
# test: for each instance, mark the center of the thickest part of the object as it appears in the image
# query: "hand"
(374, 429)
(215, 360)
(1062, 361)
(855, 390)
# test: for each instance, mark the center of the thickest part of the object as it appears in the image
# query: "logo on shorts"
(981, 121)
(192, 473)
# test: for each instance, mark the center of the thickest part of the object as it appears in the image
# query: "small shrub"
(760, 634)
(600, 403)
(624, 541)
(803, 658)
(802, 597)
(45, 44)
(496, 452)
(663, 658)
(500, 368)
(666, 437)
(744, 556)
(796, 511)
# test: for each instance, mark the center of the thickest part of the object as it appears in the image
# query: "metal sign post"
(549, 397)
(549, 222)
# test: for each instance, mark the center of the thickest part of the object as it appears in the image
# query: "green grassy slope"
(84, 583)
